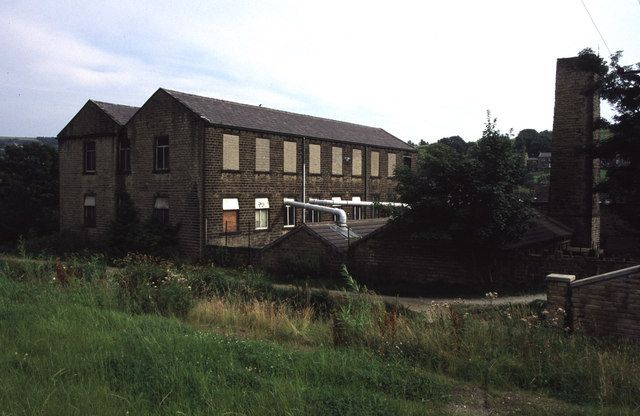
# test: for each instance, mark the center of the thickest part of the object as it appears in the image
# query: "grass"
(244, 348)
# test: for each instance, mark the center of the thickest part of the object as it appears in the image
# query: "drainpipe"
(304, 177)
(340, 213)
(331, 202)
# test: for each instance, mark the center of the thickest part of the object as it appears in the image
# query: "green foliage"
(620, 86)
(28, 191)
(128, 235)
(533, 142)
(147, 285)
(474, 199)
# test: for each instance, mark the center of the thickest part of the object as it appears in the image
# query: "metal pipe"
(330, 202)
(340, 213)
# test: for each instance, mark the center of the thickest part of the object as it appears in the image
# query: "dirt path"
(420, 304)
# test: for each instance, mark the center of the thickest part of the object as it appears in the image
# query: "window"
(406, 160)
(313, 215)
(230, 152)
(124, 155)
(89, 157)
(161, 210)
(289, 157)
(289, 216)
(90, 211)
(230, 209)
(314, 159)
(357, 210)
(375, 164)
(356, 162)
(375, 211)
(262, 155)
(262, 213)
(391, 164)
(162, 153)
(336, 160)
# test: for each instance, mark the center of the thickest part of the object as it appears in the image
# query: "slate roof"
(118, 112)
(543, 230)
(231, 114)
(330, 233)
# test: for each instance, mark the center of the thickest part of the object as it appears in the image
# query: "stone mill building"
(218, 169)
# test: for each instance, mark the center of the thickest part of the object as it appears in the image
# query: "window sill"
(89, 172)
(230, 170)
(289, 226)
(262, 172)
(261, 229)
(290, 173)
(161, 171)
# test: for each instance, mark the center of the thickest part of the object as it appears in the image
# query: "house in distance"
(218, 169)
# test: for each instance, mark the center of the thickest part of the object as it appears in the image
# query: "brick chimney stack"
(573, 171)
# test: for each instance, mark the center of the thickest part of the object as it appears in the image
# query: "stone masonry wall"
(246, 184)
(602, 305)
(90, 124)
(182, 184)
(573, 171)
(302, 254)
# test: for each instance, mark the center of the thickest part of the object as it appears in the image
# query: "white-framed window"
(314, 159)
(262, 213)
(230, 209)
(357, 210)
(230, 152)
(375, 164)
(289, 216)
(336, 160)
(313, 215)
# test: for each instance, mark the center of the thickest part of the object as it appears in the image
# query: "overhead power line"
(596, 26)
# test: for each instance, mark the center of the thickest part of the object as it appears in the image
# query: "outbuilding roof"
(245, 116)
(118, 112)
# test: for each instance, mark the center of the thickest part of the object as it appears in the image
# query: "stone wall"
(246, 184)
(182, 183)
(601, 305)
(91, 124)
(302, 255)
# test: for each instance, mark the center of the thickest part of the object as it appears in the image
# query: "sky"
(421, 70)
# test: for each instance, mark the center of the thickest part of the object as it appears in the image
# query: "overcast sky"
(418, 69)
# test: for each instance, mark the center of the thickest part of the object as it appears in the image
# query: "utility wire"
(596, 26)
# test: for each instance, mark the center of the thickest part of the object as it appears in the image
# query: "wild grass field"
(152, 337)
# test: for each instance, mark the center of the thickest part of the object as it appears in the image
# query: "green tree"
(532, 142)
(28, 191)
(457, 143)
(620, 86)
(474, 200)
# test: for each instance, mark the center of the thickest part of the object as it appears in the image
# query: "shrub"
(148, 285)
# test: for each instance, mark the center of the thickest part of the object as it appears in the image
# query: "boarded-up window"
(262, 155)
(230, 152)
(391, 164)
(336, 160)
(314, 159)
(230, 208)
(356, 162)
(375, 163)
(289, 157)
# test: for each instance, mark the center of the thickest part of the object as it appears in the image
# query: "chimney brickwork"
(574, 172)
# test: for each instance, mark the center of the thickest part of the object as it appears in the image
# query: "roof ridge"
(105, 102)
(281, 111)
